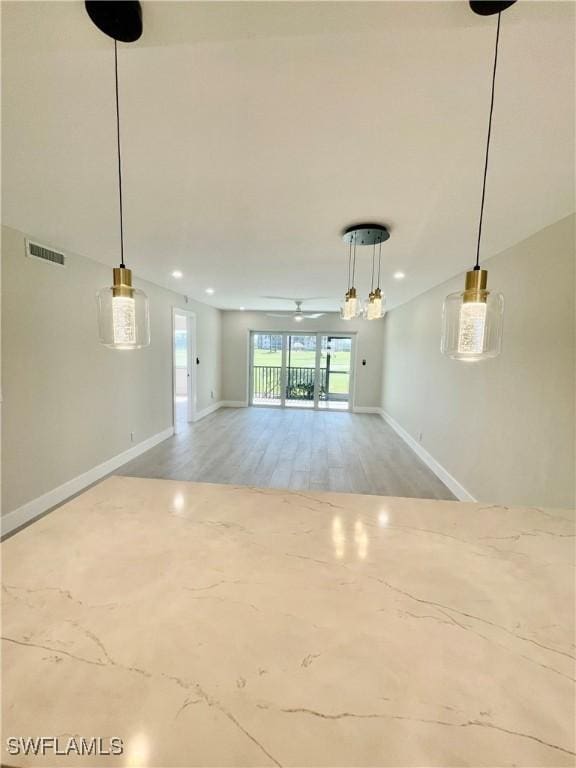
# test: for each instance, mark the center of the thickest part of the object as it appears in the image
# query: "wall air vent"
(37, 251)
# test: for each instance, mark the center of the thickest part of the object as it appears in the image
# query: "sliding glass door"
(301, 370)
(335, 369)
(267, 364)
(301, 378)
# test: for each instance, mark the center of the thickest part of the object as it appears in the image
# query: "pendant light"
(351, 307)
(472, 319)
(123, 315)
(364, 235)
(375, 305)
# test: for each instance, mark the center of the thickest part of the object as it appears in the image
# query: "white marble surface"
(213, 625)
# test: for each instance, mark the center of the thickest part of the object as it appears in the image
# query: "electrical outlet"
(420, 437)
(212, 394)
(131, 437)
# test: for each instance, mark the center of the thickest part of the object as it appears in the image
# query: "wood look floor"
(294, 449)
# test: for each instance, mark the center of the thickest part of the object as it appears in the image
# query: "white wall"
(236, 327)
(70, 403)
(504, 428)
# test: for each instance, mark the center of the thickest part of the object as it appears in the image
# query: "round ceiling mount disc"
(366, 234)
(490, 7)
(119, 19)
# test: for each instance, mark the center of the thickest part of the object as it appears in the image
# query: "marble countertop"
(213, 625)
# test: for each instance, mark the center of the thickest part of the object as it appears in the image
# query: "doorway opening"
(183, 368)
(301, 370)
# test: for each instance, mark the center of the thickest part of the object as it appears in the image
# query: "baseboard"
(367, 409)
(207, 411)
(450, 482)
(32, 509)
(216, 406)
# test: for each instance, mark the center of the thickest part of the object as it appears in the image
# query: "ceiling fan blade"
(295, 299)
(271, 314)
(314, 316)
(280, 298)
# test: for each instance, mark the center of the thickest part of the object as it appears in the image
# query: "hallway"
(293, 449)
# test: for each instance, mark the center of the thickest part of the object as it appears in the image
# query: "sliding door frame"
(284, 368)
(352, 370)
(250, 398)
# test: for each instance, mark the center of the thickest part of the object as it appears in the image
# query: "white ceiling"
(253, 132)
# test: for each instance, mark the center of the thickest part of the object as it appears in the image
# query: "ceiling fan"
(298, 315)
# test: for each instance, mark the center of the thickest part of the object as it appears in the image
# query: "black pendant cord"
(488, 144)
(354, 263)
(122, 265)
(379, 262)
(373, 260)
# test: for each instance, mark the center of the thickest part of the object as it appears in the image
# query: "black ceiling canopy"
(366, 234)
(119, 19)
(490, 7)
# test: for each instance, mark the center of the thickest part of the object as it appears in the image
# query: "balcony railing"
(267, 383)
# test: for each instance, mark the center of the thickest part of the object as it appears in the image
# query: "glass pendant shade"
(123, 316)
(345, 310)
(351, 308)
(472, 320)
(375, 305)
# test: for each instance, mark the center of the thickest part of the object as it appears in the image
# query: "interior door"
(183, 362)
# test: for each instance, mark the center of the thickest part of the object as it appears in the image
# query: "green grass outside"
(339, 361)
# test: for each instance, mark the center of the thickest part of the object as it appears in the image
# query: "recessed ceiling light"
(399, 275)
(177, 274)
(210, 291)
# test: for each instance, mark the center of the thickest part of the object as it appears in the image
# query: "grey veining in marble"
(214, 625)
